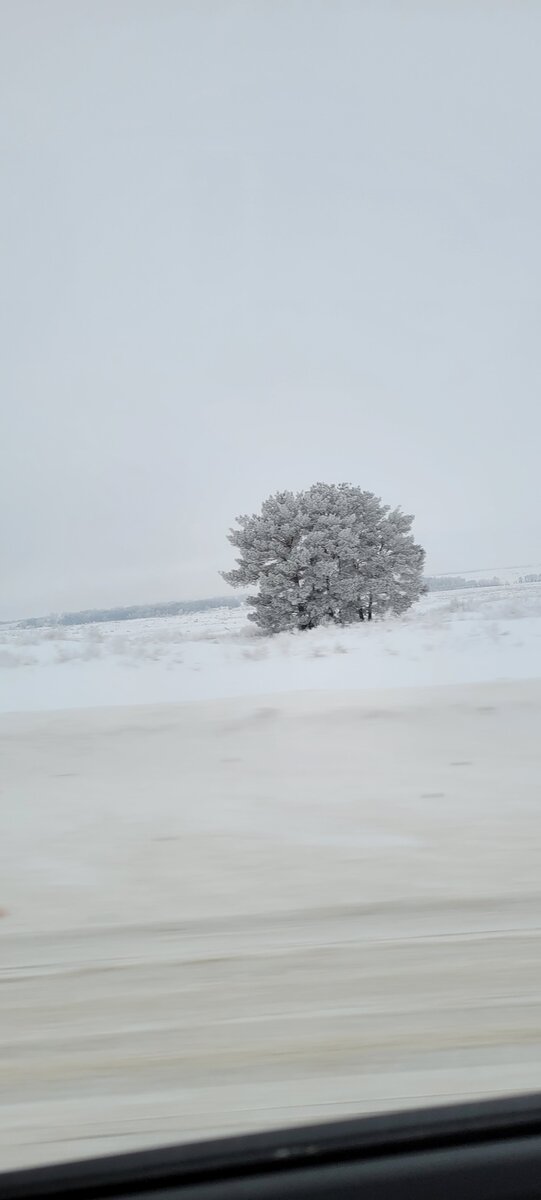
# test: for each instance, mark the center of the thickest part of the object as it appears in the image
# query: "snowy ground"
(452, 637)
(313, 892)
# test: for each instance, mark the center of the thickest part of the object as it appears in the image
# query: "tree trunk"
(361, 614)
(370, 607)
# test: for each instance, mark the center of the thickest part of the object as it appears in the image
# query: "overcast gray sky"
(251, 244)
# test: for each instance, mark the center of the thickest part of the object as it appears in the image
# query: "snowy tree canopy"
(331, 553)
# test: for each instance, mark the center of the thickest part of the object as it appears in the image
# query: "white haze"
(251, 246)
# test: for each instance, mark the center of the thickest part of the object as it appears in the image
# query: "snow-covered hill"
(455, 637)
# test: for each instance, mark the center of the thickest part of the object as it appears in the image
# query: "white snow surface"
(312, 891)
(448, 637)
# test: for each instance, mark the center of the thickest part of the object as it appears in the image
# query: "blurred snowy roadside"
(448, 638)
(320, 897)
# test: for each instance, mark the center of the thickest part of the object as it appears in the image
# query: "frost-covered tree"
(331, 553)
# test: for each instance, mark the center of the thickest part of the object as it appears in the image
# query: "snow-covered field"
(449, 637)
(313, 890)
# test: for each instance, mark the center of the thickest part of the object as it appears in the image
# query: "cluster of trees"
(448, 583)
(332, 553)
(130, 613)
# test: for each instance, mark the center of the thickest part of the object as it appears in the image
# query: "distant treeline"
(174, 608)
(445, 583)
(91, 616)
